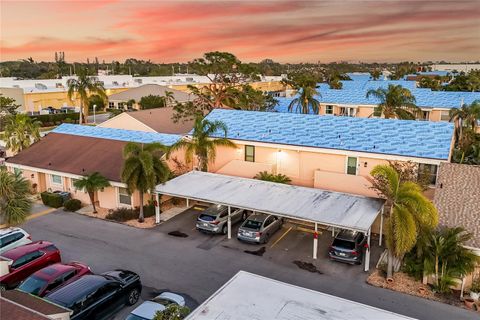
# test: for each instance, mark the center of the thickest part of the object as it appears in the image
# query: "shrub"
(72, 205)
(48, 119)
(125, 214)
(50, 199)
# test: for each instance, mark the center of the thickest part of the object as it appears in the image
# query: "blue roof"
(117, 134)
(355, 92)
(420, 139)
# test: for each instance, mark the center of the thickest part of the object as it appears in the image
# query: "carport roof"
(336, 209)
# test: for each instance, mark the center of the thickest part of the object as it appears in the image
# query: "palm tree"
(83, 86)
(91, 184)
(445, 255)
(144, 168)
(169, 98)
(14, 201)
(466, 116)
(306, 102)
(395, 102)
(20, 132)
(375, 74)
(409, 212)
(202, 144)
(278, 178)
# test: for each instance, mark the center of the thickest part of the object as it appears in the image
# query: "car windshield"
(163, 301)
(33, 285)
(252, 224)
(207, 217)
(344, 244)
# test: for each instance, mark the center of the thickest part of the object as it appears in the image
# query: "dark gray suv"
(348, 247)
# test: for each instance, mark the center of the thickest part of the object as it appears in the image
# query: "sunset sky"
(286, 31)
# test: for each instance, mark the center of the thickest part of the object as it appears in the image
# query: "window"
(29, 257)
(328, 109)
(111, 105)
(11, 238)
(427, 172)
(352, 165)
(424, 115)
(250, 153)
(444, 116)
(56, 179)
(124, 197)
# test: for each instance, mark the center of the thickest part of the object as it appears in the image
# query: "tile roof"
(420, 139)
(457, 198)
(355, 92)
(76, 155)
(160, 120)
(34, 303)
(12, 310)
(117, 134)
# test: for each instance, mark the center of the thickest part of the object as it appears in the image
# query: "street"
(99, 118)
(197, 266)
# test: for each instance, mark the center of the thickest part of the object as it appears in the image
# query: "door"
(108, 299)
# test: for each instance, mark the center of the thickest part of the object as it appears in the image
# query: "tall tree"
(8, 107)
(410, 212)
(91, 184)
(202, 144)
(466, 116)
(306, 86)
(15, 203)
(144, 168)
(375, 74)
(395, 102)
(224, 72)
(20, 132)
(82, 87)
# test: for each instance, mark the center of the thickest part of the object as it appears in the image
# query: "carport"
(316, 206)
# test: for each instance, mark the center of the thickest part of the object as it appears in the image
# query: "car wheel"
(267, 237)
(133, 296)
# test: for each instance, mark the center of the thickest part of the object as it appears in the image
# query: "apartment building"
(327, 152)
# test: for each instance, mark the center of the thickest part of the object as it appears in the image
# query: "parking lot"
(292, 244)
(198, 265)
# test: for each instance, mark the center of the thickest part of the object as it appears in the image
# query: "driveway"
(200, 264)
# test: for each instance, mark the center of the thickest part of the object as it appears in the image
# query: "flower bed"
(406, 284)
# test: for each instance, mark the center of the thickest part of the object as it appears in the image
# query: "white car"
(13, 237)
(147, 310)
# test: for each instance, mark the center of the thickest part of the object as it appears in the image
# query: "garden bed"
(406, 284)
(148, 223)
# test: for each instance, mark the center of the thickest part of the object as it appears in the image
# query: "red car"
(25, 260)
(52, 277)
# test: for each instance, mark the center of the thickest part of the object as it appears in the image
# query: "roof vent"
(49, 163)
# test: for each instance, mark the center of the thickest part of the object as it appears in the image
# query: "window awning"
(329, 208)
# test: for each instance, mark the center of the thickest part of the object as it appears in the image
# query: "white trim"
(63, 174)
(359, 154)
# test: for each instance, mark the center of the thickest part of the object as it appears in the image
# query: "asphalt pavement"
(196, 266)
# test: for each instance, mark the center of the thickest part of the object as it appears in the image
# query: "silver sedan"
(258, 228)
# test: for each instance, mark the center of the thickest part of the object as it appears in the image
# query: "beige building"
(331, 153)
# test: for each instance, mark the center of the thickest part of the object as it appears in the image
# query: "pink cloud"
(285, 30)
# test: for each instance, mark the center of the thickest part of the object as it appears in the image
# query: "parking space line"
(309, 230)
(281, 237)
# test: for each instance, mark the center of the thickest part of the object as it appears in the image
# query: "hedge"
(50, 199)
(72, 205)
(49, 120)
(125, 214)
